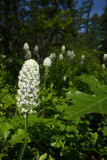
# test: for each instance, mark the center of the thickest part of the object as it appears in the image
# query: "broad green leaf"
(4, 129)
(2, 155)
(43, 156)
(56, 144)
(105, 131)
(70, 128)
(18, 137)
(84, 103)
(51, 158)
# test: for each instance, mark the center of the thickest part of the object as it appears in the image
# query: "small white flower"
(63, 48)
(47, 62)
(72, 56)
(78, 92)
(52, 56)
(26, 47)
(82, 57)
(81, 62)
(105, 57)
(69, 53)
(36, 49)
(28, 55)
(60, 57)
(24, 110)
(103, 65)
(64, 78)
(31, 111)
(24, 116)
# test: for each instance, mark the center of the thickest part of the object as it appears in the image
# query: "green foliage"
(43, 156)
(87, 103)
(4, 129)
(59, 129)
(70, 121)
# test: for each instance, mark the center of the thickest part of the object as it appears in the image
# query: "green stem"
(25, 142)
(45, 77)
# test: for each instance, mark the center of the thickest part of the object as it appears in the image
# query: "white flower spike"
(64, 78)
(52, 56)
(28, 84)
(71, 55)
(47, 62)
(36, 49)
(63, 48)
(105, 57)
(81, 62)
(61, 57)
(26, 47)
(103, 65)
(82, 57)
(28, 55)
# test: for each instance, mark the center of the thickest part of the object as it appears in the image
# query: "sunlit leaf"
(43, 156)
(84, 103)
(51, 158)
(18, 137)
(4, 129)
(105, 131)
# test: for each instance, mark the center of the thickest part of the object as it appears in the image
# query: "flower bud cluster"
(105, 59)
(27, 52)
(28, 84)
(52, 56)
(63, 49)
(36, 49)
(60, 57)
(64, 78)
(103, 65)
(47, 62)
(82, 60)
(26, 47)
(71, 55)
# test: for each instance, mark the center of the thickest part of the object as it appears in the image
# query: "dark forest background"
(50, 24)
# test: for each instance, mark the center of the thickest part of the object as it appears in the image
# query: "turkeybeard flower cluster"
(27, 51)
(26, 47)
(47, 62)
(64, 78)
(105, 60)
(82, 60)
(61, 57)
(28, 84)
(63, 49)
(36, 49)
(71, 55)
(105, 57)
(52, 56)
(103, 65)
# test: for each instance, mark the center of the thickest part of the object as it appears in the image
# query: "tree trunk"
(56, 10)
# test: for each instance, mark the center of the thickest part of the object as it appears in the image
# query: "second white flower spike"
(47, 62)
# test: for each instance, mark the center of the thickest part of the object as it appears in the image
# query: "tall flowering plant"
(28, 84)
(27, 98)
